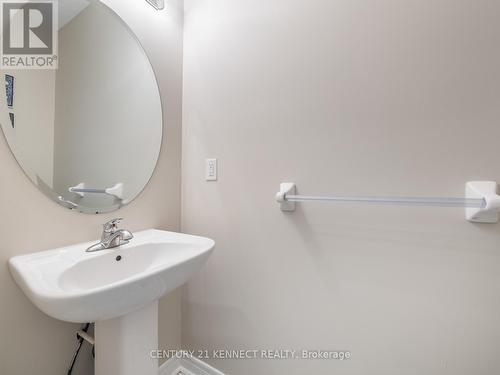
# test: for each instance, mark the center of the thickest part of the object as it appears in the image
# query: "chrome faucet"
(111, 237)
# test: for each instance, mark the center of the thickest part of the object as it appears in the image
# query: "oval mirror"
(88, 134)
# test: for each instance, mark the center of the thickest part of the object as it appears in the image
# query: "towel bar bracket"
(286, 188)
(487, 190)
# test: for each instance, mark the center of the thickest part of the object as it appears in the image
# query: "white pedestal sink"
(118, 289)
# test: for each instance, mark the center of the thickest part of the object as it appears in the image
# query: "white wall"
(101, 67)
(33, 343)
(350, 97)
(32, 138)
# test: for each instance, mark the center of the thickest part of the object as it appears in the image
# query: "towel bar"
(481, 202)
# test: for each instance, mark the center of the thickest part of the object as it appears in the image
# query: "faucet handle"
(111, 225)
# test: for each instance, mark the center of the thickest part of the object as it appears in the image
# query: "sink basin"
(72, 285)
(118, 289)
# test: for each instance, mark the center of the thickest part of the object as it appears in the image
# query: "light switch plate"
(211, 170)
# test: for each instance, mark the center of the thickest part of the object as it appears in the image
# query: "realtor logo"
(29, 34)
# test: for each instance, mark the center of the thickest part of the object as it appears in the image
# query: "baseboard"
(170, 367)
(190, 366)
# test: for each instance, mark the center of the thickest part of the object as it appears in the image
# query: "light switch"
(211, 170)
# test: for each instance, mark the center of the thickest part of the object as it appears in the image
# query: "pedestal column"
(123, 344)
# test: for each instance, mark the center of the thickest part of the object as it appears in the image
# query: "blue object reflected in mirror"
(9, 90)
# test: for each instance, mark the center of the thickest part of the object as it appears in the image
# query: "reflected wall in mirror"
(96, 122)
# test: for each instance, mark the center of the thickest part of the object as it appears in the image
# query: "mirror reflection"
(89, 133)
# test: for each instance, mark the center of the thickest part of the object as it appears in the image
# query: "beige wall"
(349, 97)
(32, 138)
(33, 343)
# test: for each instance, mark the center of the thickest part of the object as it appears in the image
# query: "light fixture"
(158, 4)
